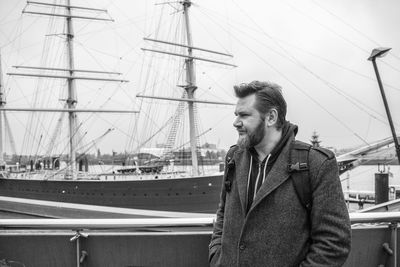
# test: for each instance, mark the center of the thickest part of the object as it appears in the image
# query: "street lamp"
(378, 52)
(381, 52)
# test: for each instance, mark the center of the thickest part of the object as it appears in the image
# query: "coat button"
(242, 246)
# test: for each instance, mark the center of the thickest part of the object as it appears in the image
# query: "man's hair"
(268, 96)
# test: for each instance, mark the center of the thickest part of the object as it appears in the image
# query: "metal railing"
(392, 219)
(356, 217)
(375, 217)
(84, 233)
(93, 224)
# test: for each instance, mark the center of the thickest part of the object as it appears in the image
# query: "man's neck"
(269, 142)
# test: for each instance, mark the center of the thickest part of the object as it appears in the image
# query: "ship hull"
(197, 194)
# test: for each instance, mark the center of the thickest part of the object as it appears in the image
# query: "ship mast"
(2, 103)
(190, 86)
(190, 89)
(71, 77)
(71, 101)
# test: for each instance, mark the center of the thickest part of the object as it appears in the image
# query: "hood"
(288, 131)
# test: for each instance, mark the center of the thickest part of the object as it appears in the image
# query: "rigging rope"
(351, 26)
(291, 82)
(336, 33)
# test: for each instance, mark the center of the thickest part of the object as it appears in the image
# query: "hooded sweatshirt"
(260, 169)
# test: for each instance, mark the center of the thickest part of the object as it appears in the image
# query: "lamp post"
(381, 52)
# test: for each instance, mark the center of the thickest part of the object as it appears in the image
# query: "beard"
(252, 138)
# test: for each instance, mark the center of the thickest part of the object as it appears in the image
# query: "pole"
(396, 142)
(381, 188)
(348, 190)
(2, 125)
(190, 89)
(71, 95)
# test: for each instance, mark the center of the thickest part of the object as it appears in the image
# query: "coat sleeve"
(215, 244)
(329, 219)
(216, 236)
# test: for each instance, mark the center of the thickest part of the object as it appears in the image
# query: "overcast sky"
(316, 50)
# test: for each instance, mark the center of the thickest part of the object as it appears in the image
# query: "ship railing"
(175, 241)
(365, 227)
(208, 220)
(106, 242)
(104, 224)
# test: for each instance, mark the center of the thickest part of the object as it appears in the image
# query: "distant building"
(209, 146)
(315, 139)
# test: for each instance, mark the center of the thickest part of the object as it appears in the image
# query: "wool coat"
(278, 230)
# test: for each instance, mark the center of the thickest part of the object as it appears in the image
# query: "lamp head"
(378, 52)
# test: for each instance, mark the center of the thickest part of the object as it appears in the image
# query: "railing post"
(76, 237)
(393, 241)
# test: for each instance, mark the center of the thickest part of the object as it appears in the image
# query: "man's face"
(249, 122)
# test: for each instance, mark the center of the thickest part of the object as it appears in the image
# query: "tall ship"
(170, 90)
(151, 185)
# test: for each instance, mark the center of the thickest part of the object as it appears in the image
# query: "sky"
(316, 50)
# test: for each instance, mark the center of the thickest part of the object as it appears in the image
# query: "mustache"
(240, 128)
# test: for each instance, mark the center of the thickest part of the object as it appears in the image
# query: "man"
(260, 219)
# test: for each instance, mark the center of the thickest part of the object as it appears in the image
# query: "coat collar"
(275, 177)
(242, 162)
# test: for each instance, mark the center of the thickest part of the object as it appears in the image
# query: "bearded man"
(261, 220)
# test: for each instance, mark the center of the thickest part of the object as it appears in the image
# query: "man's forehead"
(245, 103)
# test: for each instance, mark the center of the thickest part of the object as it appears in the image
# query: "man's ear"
(272, 117)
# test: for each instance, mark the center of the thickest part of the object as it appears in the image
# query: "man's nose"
(237, 123)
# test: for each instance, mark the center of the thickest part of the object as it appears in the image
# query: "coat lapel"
(242, 162)
(276, 176)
